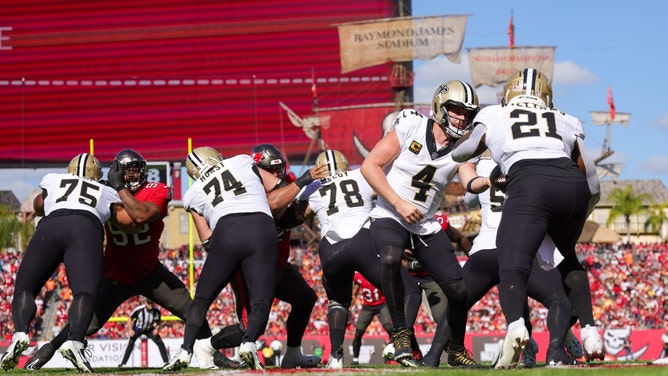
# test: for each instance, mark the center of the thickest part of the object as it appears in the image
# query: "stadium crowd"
(627, 282)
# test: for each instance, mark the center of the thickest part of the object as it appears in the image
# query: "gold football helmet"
(336, 163)
(529, 85)
(201, 159)
(454, 93)
(86, 166)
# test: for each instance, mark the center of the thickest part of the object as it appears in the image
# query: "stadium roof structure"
(106, 76)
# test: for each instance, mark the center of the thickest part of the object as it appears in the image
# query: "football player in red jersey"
(373, 304)
(131, 265)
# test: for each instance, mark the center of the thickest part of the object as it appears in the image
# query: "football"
(497, 179)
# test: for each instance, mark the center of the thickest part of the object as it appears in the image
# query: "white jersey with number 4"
(417, 175)
(68, 191)
(230, 187)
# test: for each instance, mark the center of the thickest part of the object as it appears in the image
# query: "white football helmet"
(528, 85)
(454, 93)
(336, 163)
(200, 160)
(86, 166)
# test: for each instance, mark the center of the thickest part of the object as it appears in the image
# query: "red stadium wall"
(149, 76)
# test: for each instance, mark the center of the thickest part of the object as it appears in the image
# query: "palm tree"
(626, 203)
(657, 218)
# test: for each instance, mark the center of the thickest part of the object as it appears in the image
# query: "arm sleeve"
(467, 146)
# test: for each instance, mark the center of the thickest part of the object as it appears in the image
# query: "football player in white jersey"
(291, 287)
(75, 206)
(481, 273)
(342, 202)
(552, 187)
(229, 198)
(410, 169)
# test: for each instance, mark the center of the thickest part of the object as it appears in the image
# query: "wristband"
(469, 186)
(304, 180)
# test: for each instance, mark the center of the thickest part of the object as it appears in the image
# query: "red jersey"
(442, 218)
(371, 295)
(128, 258)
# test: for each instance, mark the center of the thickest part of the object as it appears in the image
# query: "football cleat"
(41, 357)
(179, 361)
(559, 358)
(661, 361)
(388, 351)
(403, 353)
(203, 352)
(20, 342)
(430, 359)
(223, 362)
(74, 352)
(248, 352)
(573, 345)
(529, 353)
(592, 343)
(513, 344)
(300, 361)
(462, 358)
(335, 360)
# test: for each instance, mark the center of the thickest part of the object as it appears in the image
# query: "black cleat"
(223, 362)
(41, 357)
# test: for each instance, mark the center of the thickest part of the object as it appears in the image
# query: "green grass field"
(605, 368)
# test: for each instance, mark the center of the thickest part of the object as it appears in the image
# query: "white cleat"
(74, 352)
(203, 352)
(388, 351)
(592, 343)
(515, 341)
(335, 361)
(661, 361)
(573, 345)
(20, 342)
(179, 361)
(248, 352)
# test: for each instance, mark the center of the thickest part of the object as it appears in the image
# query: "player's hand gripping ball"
(497, 179)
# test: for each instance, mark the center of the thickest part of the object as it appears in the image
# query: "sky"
(599, 45)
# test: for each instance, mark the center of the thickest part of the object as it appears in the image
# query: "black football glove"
(115, 176)
(304, 180)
